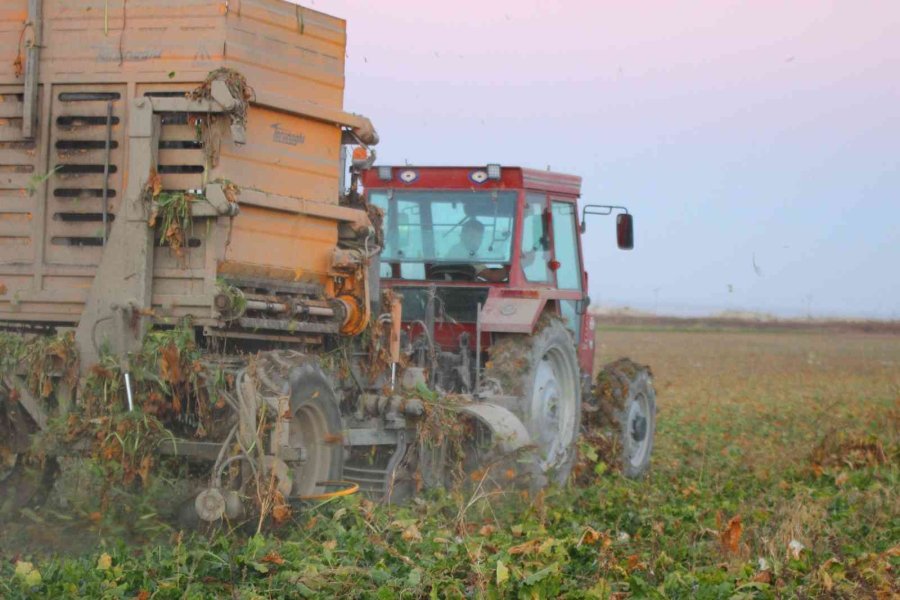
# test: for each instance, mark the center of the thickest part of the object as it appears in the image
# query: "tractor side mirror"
(625, 231)
(624, 224)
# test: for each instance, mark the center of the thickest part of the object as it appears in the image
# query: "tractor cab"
(480, 251)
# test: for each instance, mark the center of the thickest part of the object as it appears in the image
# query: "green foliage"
(42, 361)
(39, 179)
(12, 347)
(171, 215)
(166, 374)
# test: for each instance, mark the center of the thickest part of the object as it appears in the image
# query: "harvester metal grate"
(77, 162)
(18, 164)
(181, 158)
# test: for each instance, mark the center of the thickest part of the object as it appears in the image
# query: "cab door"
(570, 277)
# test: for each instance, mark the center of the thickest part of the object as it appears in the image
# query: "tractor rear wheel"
(542, 370)
(316, 427)
(638, 426)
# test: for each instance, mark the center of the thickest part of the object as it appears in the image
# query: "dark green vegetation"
(776, 474)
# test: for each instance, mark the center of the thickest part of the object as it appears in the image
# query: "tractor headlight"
(493, 172)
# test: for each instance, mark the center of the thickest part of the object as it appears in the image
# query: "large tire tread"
(606, 426)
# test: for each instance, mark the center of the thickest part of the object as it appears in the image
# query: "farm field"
(776, 474)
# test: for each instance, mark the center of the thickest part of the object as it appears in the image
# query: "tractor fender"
(508, 431)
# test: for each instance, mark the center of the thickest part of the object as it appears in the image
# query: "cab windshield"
(446, 227)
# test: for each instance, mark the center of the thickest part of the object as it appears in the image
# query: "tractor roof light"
(362, 158)
(494, 172)
(384, 173)
(360, 153)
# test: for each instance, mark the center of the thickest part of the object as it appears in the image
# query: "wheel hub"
(547, 393)
(637, 441)
(639, 428)
(309, 430)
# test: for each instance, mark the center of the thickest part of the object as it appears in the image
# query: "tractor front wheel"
(624, 404)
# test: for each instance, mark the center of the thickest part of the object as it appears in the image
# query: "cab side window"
(565, 246)
(404, 238)
(535, 240)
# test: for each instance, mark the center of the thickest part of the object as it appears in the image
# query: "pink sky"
(732, 129)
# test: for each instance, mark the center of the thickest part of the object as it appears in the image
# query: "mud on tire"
(620, 416)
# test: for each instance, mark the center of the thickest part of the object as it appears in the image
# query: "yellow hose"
(349, 489)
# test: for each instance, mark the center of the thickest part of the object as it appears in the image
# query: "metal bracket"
(215, 195)
(598, 209)
(508, 431)
(27, 400)
(122, 285)
(221, 94)
(32, 63)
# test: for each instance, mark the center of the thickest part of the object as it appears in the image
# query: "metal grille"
(18, 164)
(181, 157)
(181, 160)
(82, 172)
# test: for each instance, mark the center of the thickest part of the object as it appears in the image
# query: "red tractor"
(488, 264)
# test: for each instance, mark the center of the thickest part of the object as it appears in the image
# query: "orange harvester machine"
(95, 111)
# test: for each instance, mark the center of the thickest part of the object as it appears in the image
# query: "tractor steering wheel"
(452, 272)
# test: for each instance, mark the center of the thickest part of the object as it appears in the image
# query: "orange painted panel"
(289, 53)
(285, 154)
(279, 244)
(13, 14)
